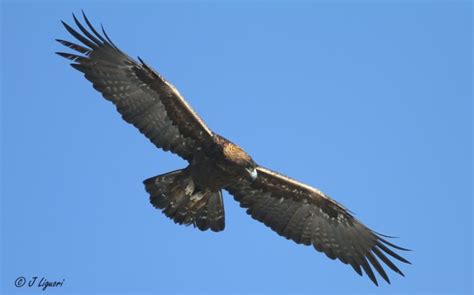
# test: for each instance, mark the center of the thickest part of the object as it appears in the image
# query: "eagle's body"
(193, 195)
(222, 165)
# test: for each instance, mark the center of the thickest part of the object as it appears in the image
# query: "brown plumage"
(193, 195)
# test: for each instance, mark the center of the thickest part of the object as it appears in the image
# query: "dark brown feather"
(174, 193)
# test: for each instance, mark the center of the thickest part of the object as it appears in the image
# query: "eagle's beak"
(252, 172)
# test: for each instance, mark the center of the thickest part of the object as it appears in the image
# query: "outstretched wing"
(143, 97)
(307, 216)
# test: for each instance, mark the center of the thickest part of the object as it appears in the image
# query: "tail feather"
(176, 195)
(216, 211)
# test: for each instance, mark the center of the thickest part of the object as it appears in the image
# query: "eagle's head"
(237, 156)
(237, 159)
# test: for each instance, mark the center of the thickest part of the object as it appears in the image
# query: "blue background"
(370, 102)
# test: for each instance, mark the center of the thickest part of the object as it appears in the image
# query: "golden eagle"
(193, 195)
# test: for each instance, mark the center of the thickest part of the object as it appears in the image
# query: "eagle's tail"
(178, 198)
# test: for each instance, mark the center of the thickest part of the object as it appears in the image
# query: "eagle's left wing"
(307, 216)
(143, 97)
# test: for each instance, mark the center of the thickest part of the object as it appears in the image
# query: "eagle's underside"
(193, 196)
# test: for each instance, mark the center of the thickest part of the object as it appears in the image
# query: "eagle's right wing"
(141, 95)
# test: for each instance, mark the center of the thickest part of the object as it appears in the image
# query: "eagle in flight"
(193, 195)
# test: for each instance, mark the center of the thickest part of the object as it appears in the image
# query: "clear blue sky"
(371, 103)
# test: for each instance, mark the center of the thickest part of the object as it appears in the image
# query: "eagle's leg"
(176, 194)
